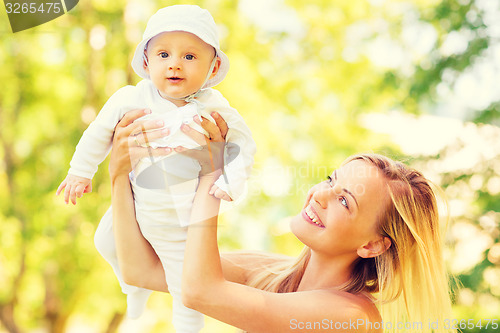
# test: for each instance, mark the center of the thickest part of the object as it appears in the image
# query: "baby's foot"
(136, 303)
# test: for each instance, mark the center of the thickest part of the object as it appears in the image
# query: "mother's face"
(340, 215)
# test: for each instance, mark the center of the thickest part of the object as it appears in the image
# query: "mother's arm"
(135, 254)
(206, 289)
(132, 248)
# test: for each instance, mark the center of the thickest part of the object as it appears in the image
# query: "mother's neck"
(325, 272)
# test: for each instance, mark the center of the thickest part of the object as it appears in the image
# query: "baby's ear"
(145, 62)
(216, 67)
(374, 248)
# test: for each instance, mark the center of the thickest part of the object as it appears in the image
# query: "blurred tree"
(47, 253)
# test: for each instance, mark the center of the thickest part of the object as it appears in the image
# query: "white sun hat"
(188, 18)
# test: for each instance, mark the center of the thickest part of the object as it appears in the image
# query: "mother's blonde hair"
(409, 279)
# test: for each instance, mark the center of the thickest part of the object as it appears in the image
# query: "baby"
(179, 59)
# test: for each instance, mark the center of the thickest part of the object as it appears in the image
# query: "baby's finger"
(72, 195)
(79, 190)
(195, 135)
(88, 189)
(67, 192)
(61, 187)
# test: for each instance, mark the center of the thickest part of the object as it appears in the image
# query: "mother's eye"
(344, 202)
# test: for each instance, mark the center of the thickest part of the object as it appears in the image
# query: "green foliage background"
(304, 87)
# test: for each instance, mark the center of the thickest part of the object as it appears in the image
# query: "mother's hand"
(129, 139)
(211, 154)
(217, 131)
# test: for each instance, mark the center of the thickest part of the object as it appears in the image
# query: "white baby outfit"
(164, 187)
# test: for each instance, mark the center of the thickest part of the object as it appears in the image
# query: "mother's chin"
(300, 228)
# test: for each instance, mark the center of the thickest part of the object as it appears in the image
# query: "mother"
(372, 259)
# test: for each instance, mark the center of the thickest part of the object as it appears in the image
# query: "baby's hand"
(75, 187)
(219, 194)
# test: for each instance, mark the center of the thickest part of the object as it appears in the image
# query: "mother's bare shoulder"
(360, 307)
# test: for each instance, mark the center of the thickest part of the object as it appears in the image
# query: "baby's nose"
(174, 64)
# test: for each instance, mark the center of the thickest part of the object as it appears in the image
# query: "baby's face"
(178, 63)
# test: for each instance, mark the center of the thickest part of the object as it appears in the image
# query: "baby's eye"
(189, 57)
(164, 54)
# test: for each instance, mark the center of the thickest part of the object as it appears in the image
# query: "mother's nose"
(325, 194)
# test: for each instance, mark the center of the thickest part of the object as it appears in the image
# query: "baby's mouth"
(174, 79)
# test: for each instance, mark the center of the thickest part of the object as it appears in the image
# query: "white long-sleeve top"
(96, 141)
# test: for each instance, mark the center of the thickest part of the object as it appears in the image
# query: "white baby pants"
(163, 201)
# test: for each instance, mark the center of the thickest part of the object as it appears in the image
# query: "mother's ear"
(374, 248)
